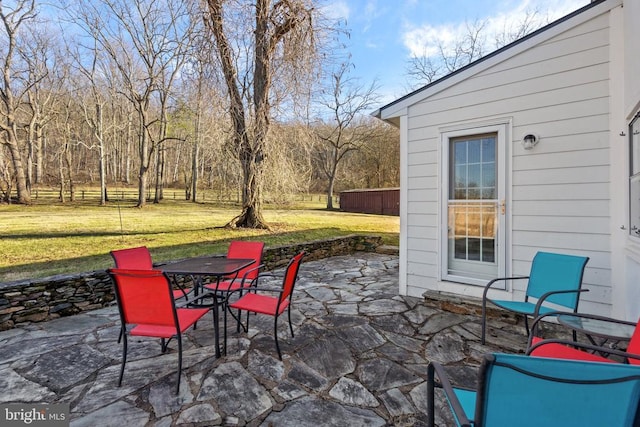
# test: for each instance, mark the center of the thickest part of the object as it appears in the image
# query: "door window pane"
(473, 230)
(473, 168)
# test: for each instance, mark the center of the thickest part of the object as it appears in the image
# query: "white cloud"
(426, 39)
(338, 10)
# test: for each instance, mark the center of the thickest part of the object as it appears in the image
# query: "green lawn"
(44, 240)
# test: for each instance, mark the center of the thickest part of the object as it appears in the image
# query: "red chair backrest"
(290, 276)
(634, 345)
(144, 297)
(245, 249)
(133, 258)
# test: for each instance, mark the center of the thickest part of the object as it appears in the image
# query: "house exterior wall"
(558, 194)
(627, 245)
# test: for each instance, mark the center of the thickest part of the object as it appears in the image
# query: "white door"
(474, 209)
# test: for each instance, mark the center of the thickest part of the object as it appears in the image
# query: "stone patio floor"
(359, 358)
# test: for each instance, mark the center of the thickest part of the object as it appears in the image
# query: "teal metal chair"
(554, 278)
(523, 391)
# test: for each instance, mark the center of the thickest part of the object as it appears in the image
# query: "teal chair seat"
(518, 390)
(554, 279)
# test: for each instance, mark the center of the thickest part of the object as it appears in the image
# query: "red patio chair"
(147, 308)
(574, 350)
(140, 259)
(255, 302)
(246, 277)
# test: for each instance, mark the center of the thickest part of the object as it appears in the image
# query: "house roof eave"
(394, 109)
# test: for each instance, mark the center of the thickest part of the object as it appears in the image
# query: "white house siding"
(626, 254)
(559, 191)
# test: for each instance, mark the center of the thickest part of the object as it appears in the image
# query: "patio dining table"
(203, 267)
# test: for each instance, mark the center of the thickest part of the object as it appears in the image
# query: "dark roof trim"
(364, 190)
(494, 53)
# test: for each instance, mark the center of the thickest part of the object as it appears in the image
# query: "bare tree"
(283, 33)
(182, 50)
(348, 128)
(471, 45)
(48, 71)
(87, 62)
(378, 164)
(144, 42)
(12, 90)
(203, 101)
(512, 31)
(425, 68)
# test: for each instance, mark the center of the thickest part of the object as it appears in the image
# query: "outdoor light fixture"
(530, 140)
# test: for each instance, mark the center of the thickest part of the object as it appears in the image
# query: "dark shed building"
(382, 201)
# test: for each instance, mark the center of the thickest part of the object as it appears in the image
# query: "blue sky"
(385, 33)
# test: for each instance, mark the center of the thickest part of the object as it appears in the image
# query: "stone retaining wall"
(48, 298)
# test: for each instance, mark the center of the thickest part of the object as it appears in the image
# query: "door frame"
(502, 129)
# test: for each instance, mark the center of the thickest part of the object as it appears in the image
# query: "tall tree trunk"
(274, 22)
(61, 175)
(40, 147)
(332, 176)
(101, 160)
(127, 153)
(194, 171)
(24, 195)
(157, 196)
(144, 168)
(68, 163)
(161, 157)
(31, 137)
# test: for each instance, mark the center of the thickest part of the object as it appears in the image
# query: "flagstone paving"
(359, 358)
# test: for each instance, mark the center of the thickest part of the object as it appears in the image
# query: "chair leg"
(124, 358)
(224, 326)
(179, 362)
(430, 396)
(289, 315)
(239, 322)
(275, 336)
(526, 323)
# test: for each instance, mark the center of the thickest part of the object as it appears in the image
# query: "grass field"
(48, 239)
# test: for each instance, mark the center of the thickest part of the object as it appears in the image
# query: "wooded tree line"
(158, 93)
(244, 97)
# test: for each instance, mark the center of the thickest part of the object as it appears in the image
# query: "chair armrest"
(584, 346)
(255, 279)
(499, 279)
(537, 320)
(436, 370)
(542, 299)
(589, 316)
